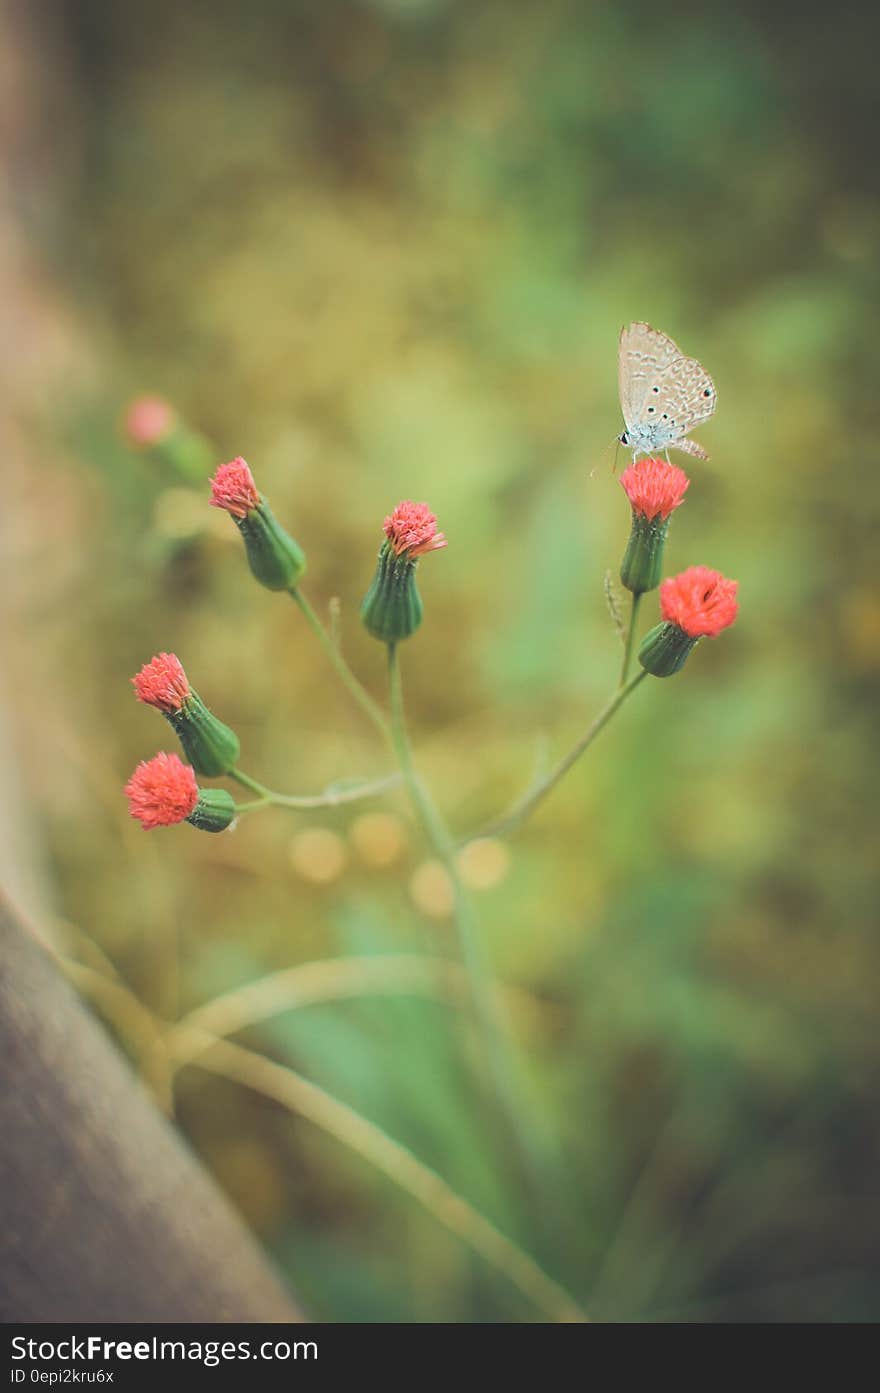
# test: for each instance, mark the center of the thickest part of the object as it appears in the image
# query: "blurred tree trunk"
(107, 1216)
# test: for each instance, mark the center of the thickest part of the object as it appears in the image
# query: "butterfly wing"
(644, 356)
(685, 396)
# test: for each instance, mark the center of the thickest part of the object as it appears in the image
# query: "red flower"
(162, 683)
(233, 488)
(148, 420)
(654, 487)
(412, 528)
(699, 601)
(162, 791)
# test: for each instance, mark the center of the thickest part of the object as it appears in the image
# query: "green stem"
(434, 827)
(330, 798)
(487, 1014)
(403, 1168)
(539, 791)
(343, 671)
(247, 782)
(630, 637)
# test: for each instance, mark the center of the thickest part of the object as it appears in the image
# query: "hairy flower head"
(233, 488)
(654, 487)
(412, 528)
(162, 791)
(700, 601)
(162, 683)
(148, 420)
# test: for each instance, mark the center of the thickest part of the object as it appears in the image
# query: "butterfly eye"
(623, 439)
(707, 392)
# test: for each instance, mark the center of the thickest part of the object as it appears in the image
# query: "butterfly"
(663, 394)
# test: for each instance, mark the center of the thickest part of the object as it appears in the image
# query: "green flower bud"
(664, 650)
(642, 564)
(163, 791)
(214, 810)
(655, 489)
(392, 607)
(152, 424)
(696, 604)
(209, 745)
(275, 559)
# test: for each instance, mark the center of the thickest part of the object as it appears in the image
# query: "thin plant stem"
(544, 786)
(247, 782)
(186, 1044)
(340, 979)
(630, 637)
(355, 688)
(332, 797)
(488, 1017)
(301, 1096)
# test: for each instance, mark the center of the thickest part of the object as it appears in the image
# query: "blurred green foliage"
(382, 248)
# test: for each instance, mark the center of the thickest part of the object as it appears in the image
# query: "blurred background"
(383, 249)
